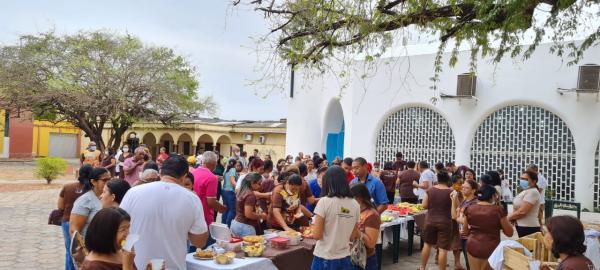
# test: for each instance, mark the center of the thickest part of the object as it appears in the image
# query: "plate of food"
(225, 258)
(253, 239)
(207, 254)
(254, 250)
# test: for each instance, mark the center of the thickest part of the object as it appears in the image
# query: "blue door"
(335, 145)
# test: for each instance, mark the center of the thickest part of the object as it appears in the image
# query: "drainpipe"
(6, 138)
(292, 82)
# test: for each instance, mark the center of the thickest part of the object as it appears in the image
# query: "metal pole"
(292, 82)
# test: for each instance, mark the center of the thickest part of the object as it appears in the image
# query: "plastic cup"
(157, 264)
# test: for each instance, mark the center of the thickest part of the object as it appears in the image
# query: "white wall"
(366, 103)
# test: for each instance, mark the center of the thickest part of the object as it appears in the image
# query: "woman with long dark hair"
(248, 215)
(286, 211)
(336, 218)
(67, 197)
(230, 178)
(468, 190)
(89, 203)
(368, 224)
(109, 161)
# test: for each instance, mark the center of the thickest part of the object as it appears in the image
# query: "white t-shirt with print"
(341, 216)
(426, 176)
(163, 214)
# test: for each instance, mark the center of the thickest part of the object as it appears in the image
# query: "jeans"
(67, 236)
(218, 195)
(240, 229)
(523, 231)
(229, 201)
(371, 263)
(336, 264)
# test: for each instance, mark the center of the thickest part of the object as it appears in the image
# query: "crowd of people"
(171, 202)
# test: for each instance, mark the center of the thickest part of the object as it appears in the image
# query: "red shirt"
(205, 186)
(349, 177)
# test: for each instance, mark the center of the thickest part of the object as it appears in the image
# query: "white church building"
(540, 111)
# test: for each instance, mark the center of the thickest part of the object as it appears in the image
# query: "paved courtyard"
(27, 242)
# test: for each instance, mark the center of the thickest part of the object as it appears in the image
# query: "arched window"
(516, 136)
(419, 133)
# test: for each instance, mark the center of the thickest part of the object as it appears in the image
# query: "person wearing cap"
(192, 162)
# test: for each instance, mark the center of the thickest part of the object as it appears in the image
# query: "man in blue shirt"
(315, 186)
(374, 185)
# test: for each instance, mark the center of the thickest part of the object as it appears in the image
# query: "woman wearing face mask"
(113, 193)
(126, 153)
(109, 161)
(565, 237)
(483, 222)
(526, 205)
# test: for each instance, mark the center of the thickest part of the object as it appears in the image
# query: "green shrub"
(50, 168)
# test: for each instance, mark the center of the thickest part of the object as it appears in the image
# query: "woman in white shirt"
(526, 205)
(336, 223)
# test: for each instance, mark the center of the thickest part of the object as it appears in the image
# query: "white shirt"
(426, 176)
(542, 184)
(162, 214)
(341, 216)
(238, 184)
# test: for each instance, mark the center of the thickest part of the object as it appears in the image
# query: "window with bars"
(516, 136)
(419, 133)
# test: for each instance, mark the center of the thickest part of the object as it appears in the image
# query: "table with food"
(398, 222)
(273, 250)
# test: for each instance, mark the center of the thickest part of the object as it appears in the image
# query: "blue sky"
(212, 35)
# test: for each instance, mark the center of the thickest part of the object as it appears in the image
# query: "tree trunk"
(48, 180)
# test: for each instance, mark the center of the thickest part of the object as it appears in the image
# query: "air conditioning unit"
(589, 78)
(247, 137)
(262, 139)
(465, 86)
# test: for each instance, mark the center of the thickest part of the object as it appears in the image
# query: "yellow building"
(57, 140)
(197, 136)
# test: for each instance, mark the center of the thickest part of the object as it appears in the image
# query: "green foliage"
(314, 33)
(50, 168)
(96, 79)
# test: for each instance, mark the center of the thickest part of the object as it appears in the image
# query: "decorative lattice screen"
(515, 136)
(419, 133)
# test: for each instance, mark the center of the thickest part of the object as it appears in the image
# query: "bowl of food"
(307, 232)
(254, 250)
(280, 242)
(253, 239)
(294, 237)
(224, 258)
(207, 254)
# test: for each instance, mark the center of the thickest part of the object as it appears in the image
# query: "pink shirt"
(205, 186)
(135, 175)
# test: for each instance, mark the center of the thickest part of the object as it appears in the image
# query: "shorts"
(439, 235)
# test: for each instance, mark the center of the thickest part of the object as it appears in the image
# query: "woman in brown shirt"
(368, 224)
(287, 211)
(66, 199)
(483, 222)
(438, 223)
(106, 232)
(564, 236)
(247, 212)
(389, 177)
(405, 181)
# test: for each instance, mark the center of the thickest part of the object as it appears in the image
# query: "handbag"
(78, 250)
(358, 253)
(55, 217)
